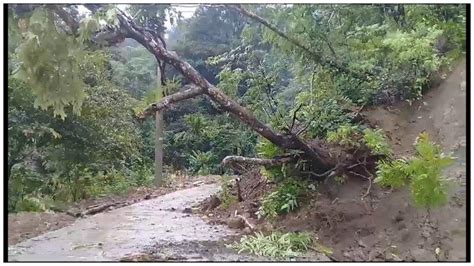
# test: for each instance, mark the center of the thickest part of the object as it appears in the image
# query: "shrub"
(277, 245)
(428, 186)
(424, 173)
(344, 135)
(375, 140)
(283, 200)
(266, 149)
(31, 204)
(202, 162)
(392, 174)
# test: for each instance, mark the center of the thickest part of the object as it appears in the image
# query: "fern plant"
(429, 188)
(276, 245)
(423, 173)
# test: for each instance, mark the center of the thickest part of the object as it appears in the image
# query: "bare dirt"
(25, 225)
(384, 226)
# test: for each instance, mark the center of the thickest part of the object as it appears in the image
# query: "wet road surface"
(112, 235)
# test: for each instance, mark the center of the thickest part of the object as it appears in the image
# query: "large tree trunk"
(319, 157)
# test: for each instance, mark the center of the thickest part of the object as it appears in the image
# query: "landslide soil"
(384, 226)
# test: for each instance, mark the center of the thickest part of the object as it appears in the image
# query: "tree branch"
(190, 92)
(67, 18)
(228, 160)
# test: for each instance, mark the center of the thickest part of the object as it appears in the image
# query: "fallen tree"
(320, 158)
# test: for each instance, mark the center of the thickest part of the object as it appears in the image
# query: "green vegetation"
(276, 244)
(75, 94)
(284, 199)
(423, 173)
(344, 136)
(375, 140)
(351, 136)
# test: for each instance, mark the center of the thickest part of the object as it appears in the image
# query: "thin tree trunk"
(159, 127)
(159, 130)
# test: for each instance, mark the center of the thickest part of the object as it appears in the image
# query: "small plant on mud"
(428, 186)
(277, 244)
(283, 200)
(352, 136)
(375, 140)
(424, 173)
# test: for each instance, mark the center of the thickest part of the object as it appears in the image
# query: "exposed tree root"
(246, 221)
(368, 189)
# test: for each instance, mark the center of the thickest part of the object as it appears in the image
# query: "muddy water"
(112, 235)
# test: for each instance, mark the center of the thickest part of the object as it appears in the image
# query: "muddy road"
(113, 235)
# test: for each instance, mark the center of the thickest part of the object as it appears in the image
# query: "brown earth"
(26, 225)
(384, 226)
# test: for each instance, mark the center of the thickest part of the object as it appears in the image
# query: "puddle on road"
(115, 234)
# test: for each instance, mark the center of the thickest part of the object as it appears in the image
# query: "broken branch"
(256, 161)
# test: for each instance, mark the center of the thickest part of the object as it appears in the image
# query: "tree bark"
(256, 161)
(159, 127)
(190, 91)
